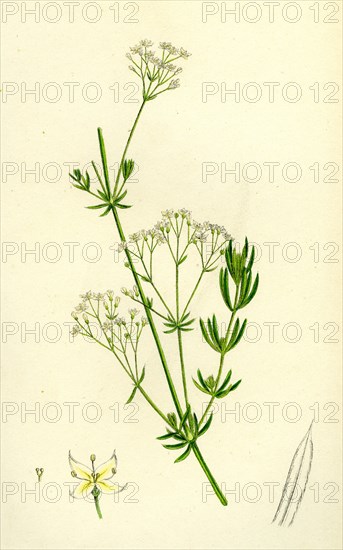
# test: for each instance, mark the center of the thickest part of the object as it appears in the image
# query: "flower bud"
(93, 458)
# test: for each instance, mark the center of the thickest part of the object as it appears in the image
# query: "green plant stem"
(97, 506)
(182, 363)
(210, 403)
(179, 335)
(127, 146)
(221, 363)
(153, 405)
(208, 474)
(150, 319)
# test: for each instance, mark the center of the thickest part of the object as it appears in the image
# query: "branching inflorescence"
(97, 316)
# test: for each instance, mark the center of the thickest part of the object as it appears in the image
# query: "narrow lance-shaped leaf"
(206, 426)
(297, 479)
(184, 455)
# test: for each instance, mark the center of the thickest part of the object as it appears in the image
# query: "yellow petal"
(83, 489)
(107, 469)
(82, 471)
(109, 487)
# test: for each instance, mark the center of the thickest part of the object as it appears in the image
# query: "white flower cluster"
(90, 303)
(158, 70)
(204, 229)
(158, 234)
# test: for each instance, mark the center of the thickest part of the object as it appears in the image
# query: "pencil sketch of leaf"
(296, 482)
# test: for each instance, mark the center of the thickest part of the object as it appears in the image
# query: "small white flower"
(107, 326)
(80, 308)
(129, 56)
(174, 84)
(170, 67)
(135, 236)
(197, 225)
(86, 296)
(119, 321)
(167, 213)
(98, 296)
(162, 224)
(146, 43)
(184, 54)
(75, 330)
(133, 313)
(156, 61)
(124, 291)
(184, 213)
(200, 236)
(160, 238)
(116, 301)
(122, 246)
(137, 49)
(165, 45)
(173, 51)
(149, 55)
(74, 315)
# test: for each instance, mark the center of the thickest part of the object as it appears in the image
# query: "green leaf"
(169, 331)
(226, 381)
(185, 416)
(224, 287)
(240, 334)
(102, 195)
(253, 291)
(182, 260)
(233, 336)
(166, 436)
(132, 395)
(100, 179)
(106, 212)
(200, 387)
(235, 385)
(196, 424)
(201, 379)
(216, 331)
(224, 393)
(187, 323)
(122, 205)
(97, 206)
(206, 426)
(206, 336)
(175, 447)
(252, 258)
(184, 455)
(144, 278)
(79, 187)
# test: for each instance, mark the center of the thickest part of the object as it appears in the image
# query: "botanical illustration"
(187, 242)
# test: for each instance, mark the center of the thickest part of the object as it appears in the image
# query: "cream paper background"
(177, 134)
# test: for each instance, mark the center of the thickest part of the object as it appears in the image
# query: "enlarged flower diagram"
(94, 481)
